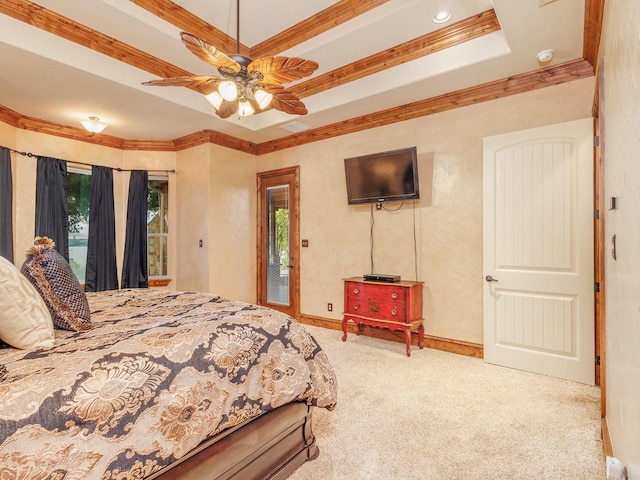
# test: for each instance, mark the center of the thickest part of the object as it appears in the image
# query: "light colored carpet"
(438, 415)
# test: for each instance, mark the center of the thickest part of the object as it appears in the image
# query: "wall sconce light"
(93, 125)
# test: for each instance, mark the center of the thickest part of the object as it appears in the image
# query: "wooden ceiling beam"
(489, 91)
(52, 22)
(322, 22)
(455, 34)
(188, 22)
(593, 15)
(217, 138)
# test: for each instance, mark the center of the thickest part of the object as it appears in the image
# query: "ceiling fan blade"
(285, 101)
(208, 53)
(227, 109)
(279, 70)
(186, 81)
(204, 84)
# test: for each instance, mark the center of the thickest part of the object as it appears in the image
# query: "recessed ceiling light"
(545, 57)
(442, 17)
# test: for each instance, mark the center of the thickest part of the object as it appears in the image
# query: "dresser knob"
(394, 295)
(356, 306)
(356, 291)
(394, 312)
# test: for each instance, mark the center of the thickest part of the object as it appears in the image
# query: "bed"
(165, 385)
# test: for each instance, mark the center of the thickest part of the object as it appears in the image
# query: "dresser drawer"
(392, 294)
(370, 307)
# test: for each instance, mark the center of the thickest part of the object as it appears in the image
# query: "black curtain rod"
(117, 169)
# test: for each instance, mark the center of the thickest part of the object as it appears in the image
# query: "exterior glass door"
(278, 239)
(278, 245)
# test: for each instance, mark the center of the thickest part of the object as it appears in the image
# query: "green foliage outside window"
(78, 189)
(282, 236)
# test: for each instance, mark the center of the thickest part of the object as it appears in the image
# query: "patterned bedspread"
(159, 372)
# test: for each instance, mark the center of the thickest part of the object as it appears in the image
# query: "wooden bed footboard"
(270, 447)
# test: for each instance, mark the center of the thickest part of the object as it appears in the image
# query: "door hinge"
(596, 141)
(597, 360)
(596, 287)
(596, 214)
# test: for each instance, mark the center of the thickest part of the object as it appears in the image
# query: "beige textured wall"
(193, 206)
(216, 204)
(448, 217)
(232, 231)
(621, 51)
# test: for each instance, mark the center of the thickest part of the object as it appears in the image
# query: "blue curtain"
(101, 271)
(52, 212)
(135, 269)
(6, 205)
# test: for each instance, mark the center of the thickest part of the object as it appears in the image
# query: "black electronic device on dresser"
(379, 277)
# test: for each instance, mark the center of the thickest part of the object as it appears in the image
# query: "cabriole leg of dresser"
(344, 329)
(407, 335)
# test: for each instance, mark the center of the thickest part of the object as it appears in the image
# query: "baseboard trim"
(606, 438)
(437, 343)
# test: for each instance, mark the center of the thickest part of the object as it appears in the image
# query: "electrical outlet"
(330, 307)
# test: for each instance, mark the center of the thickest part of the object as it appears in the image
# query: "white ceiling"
(50, 78)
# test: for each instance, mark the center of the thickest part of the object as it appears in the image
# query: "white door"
(538, 250)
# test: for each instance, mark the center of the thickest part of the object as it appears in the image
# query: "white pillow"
(25, 321)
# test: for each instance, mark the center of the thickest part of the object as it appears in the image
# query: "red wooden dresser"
(396, 306)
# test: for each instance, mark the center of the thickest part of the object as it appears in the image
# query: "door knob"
(489, 278)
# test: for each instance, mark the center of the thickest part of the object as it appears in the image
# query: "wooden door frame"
(294, 237)
(599, 237)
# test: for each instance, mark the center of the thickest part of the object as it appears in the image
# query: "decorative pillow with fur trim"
(61, 291)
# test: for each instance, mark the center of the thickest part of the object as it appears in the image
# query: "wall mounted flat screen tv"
(382, 177)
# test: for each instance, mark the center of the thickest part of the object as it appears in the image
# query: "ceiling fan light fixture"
(215, 99)
(263, 98)
(93, 125)
(442, 16)
(244, 85)
(244, 108)
(228, 90)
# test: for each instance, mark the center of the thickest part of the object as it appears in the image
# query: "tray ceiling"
(64, 61)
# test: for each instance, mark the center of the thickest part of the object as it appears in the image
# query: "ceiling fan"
(243, 85)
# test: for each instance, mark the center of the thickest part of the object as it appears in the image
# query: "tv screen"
(382, 177)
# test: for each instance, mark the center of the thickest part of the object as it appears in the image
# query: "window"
(158, 226)
(78, 195)
(78, 192)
